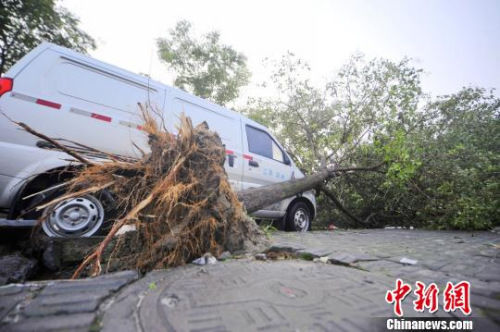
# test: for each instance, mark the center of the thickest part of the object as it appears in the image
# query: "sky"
(456, 42)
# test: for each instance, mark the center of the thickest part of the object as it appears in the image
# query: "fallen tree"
(178, 198)
(256, 198)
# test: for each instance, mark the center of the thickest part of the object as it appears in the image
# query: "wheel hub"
(301, 220)
(75, 217)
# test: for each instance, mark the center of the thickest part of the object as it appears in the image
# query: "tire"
(298, 218)
(82, 216)
(74, 217)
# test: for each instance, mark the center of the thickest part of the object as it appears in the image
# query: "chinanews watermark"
(454, 298)
(429, 324)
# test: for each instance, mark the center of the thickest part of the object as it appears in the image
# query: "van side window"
(259, 142)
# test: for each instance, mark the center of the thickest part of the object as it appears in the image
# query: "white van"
(67, 95)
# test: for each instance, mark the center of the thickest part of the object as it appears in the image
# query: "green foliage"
(327, 123)
(403, 163)
(463, 160)
(442, 173)
(204, 67)
(26, 23)
(267, 227)
(306, 256)
(441, 156)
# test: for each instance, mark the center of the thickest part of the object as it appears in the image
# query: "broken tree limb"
(82, 192)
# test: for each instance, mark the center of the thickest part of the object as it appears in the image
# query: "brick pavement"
(245, 294)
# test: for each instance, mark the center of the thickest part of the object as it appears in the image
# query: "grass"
(268, 228)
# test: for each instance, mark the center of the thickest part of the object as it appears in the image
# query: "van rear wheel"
(298, 219)
(74, 217)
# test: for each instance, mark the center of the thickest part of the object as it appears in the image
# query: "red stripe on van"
(246, 156)
(101, 117)
(48, 103)
(229, 152)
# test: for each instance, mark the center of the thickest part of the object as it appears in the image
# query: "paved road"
(292, 294)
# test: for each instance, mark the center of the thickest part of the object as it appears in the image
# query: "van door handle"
(253, 163)
(230, 160)
(45, 145)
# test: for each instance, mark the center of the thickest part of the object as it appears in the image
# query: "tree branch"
(51, 141)
(374, 168)
(341, 207)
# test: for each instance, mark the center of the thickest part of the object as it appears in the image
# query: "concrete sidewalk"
(344, 294)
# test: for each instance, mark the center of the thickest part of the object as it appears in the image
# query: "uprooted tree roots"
(177, 196)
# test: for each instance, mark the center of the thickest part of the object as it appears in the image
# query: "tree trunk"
(256, 198)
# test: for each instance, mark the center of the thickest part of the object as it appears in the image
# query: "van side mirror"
(286, 160)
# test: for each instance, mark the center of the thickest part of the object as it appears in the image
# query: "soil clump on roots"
(177, 196)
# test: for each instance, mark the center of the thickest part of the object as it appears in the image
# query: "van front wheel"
(298, 218)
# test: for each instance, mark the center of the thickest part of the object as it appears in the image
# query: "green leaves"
(26, 23)
(453, 183)
(205, 67)
(442, 155)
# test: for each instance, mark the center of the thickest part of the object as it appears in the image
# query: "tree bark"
(256, 198)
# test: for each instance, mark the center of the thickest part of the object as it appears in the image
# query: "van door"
(90, 93)
(264, 159)
(222, 121)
